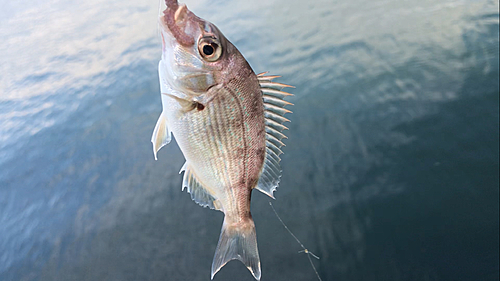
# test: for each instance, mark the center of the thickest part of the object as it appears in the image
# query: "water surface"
(390, 171)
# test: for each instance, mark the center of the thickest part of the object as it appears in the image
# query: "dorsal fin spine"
(275, 140)
(274, 85)
(273, 155)
(273, 164)
(276, 125)
(274, 148)
(276, 109)
(276, 133)
(275, 92)
(275, 101)
(274, 116)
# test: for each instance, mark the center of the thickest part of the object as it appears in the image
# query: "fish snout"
(175, 21)
(180, 13)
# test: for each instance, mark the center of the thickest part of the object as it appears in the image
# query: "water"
(390, 171)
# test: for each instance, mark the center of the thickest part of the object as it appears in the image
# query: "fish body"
(227, 122)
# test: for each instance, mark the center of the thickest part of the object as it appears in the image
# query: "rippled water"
(390, 170)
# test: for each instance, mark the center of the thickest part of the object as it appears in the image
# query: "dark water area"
(391, 169)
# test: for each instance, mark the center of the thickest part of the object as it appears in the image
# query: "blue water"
(390, 171)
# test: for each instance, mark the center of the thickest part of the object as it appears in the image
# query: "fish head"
(196, 54)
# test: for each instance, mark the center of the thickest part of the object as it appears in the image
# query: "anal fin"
(199, 193)
(161, 134)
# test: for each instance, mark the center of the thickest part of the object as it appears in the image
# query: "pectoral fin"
(186, 105)
(161, 134)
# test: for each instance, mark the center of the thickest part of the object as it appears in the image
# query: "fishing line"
(304, 249)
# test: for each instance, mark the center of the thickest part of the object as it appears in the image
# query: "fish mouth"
(184, 70)
(174, 22)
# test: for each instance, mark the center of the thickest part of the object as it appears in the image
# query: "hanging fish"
(228, 123)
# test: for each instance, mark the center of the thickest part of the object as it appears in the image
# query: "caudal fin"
(240, 243)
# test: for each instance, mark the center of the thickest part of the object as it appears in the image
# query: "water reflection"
(390, 171)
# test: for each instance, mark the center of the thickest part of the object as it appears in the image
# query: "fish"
(228, 123)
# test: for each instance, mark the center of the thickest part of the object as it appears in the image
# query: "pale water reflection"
(390, 171)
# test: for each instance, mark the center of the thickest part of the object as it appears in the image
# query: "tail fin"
(237, 242)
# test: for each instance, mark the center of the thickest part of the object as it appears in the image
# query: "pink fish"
(228, 123)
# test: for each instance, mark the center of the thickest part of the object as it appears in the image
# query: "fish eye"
(209, 49)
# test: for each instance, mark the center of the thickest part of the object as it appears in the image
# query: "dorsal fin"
(274, 111)
(199, 193)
